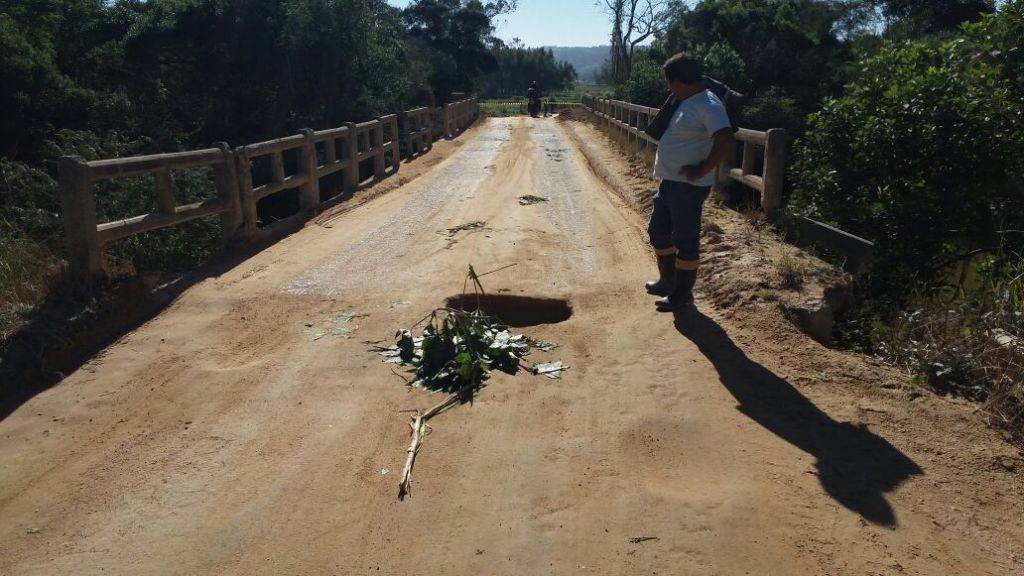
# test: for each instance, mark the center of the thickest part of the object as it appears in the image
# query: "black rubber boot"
(682, 293)
(666, 272)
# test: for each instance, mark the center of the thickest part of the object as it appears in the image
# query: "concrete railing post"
(407, 130)
(79, 207)
(376, 137)
(749, 165)
(352, 159)
(309, 193)
(164, 188)
(225, 176)
(774, 172)
(426, 123)
(396, 139)
(246, 198)
(722, 177)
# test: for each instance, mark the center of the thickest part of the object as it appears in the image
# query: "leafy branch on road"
(456, 353)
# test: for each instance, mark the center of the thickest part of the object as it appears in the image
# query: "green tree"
(451, 38)
(793, 45)
(41, 44)
(239, 70)
(922, 154)
(646, 85)
(931, 16)
(519, 66)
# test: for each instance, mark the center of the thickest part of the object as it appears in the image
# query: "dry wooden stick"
(419, 425)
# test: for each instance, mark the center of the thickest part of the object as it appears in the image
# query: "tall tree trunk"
(618, 73)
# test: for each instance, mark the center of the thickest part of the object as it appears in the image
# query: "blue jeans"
(675, 222)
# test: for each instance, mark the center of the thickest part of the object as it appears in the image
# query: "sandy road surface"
(246, 430)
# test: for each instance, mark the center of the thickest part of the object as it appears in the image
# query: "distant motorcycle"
(533, 96)
(534, 107)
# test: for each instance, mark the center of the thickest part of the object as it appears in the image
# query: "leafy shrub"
(646, 85)
(723, 63)
(773, 109)
(29, 204)
(922, 154)
(31, 242)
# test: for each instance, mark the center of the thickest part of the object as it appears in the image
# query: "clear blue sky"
(551, 23)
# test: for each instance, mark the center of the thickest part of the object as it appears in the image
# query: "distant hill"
(587, 60)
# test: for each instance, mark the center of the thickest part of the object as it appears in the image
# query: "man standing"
(697, 139)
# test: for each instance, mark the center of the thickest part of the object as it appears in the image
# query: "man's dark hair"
(684, 68)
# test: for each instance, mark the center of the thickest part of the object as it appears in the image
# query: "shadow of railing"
(79, 319)
(855, 466)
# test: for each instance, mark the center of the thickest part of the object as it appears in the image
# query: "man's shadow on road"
(855, 466)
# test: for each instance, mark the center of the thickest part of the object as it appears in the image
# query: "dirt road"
(249, 430)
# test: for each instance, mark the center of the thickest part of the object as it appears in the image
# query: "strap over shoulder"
(659, 124)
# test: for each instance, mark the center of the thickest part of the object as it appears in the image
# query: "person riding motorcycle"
(533, 96)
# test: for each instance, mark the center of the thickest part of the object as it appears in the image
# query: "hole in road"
(515, 311)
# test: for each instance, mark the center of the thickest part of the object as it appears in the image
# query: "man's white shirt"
(690, 137)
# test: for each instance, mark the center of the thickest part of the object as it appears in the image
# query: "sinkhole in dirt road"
(515, 311)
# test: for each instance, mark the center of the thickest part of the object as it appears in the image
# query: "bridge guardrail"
(86, 236)
(458, 116)
(418, 132)
(762, 168)
(764, 153)
(319, 154)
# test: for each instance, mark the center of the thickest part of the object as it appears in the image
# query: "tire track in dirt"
(364, 265)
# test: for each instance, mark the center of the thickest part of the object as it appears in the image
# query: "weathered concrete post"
(774, 172)
(352, 158)
(246, 199)
(164, 185)
(225, 177)
(723, 178)
(407, 130)
(79, 208)
(446, 120)
(424, 125)
(377, 144)
(634, 122)
(330, 151)
(396, 139)
(749, 158)
(643, 120)
(309, 193)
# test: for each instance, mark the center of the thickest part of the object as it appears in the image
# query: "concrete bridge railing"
(762, 168)
(764, 153)
(319, 154)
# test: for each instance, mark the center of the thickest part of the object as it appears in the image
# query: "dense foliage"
(518, 66)
(190, 72)
(922, 152)
(790, 51)
(922, 155)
